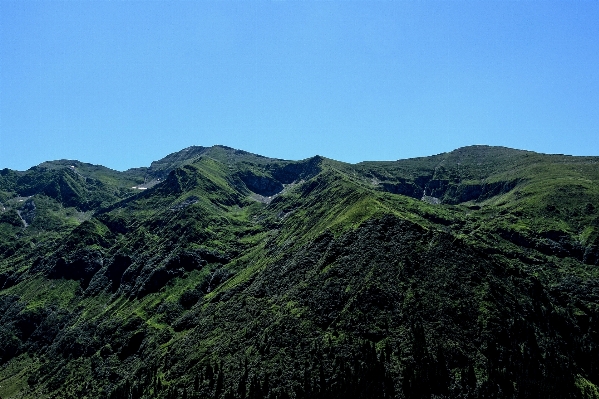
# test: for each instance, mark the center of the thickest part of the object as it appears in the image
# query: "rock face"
(478, 192)
(115, 270)
(27, 211)
(275, 175)
(263, 185)
(449, 192)
(410, 189)
(80, 266)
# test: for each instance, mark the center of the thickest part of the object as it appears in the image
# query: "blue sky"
(123, 83)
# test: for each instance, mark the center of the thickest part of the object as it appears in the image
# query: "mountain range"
(217, 273)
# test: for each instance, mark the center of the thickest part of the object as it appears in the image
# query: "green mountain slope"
(219, 273)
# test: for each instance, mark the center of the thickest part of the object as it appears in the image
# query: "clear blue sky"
(122, 83)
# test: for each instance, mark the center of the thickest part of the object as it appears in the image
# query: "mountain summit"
(217, 273)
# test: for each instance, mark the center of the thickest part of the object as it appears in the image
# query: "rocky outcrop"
(448, 191)
(290, 172)
(458, 193)
(263, 185)
(81, 266)
(28, 212)
(141, 277)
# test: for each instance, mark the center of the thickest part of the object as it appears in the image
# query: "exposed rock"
(182, 205)
(81, 266)
(27, 212)
(262, 185)
(431, 200)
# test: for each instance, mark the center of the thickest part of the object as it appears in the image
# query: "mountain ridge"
(199, 150)
(159, 169)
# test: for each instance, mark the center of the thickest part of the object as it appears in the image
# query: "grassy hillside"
(219, 273)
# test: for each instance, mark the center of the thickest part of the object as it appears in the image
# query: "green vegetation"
(216, 273)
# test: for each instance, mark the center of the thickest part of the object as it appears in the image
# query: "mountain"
(217, 273)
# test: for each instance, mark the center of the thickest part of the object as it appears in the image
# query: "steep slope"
(237, 276)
